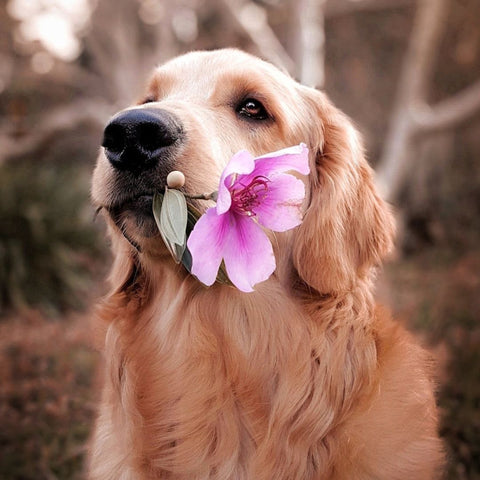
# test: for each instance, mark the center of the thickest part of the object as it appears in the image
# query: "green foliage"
(47, 236)
(47, 407)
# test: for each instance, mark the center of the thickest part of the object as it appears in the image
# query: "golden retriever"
(305, 378)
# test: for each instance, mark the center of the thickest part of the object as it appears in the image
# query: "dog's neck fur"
(258, 365)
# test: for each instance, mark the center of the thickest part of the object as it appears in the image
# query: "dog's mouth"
(133, 216)
(140, 205)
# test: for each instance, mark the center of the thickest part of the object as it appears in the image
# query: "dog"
(303, 379)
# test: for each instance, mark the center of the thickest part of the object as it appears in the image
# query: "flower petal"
(241, 163)
(206, 244)
(292, 158)
(248, 253)
(281, 210)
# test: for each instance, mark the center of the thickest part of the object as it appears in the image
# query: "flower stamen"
(246, 198)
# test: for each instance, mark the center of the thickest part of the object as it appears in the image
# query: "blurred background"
(406, 71)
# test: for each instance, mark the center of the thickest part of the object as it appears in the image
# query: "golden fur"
(304, 379)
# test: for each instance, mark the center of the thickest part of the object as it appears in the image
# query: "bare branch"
(60, 120)
(310, 41)
(74, 75)
(449, 112)
(417, 68)
(114, 52)
(252, 19)
(338, 8)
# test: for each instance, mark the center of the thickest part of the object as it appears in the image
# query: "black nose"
(135, 139)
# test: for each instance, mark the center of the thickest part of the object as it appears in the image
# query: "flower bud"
(175, 179)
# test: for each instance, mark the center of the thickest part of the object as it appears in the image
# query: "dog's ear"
(347, 228)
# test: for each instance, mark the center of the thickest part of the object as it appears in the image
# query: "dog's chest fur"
(216, 389)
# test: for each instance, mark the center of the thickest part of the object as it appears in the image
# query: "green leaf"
(222, 276)
(170, 213)
(173, 216)
(180, 252)
(192, 216)
(187, 260)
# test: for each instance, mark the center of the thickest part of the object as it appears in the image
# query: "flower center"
(247, 197)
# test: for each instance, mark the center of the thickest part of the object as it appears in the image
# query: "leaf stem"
(203, 196)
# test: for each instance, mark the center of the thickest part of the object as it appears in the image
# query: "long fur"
(306, 378)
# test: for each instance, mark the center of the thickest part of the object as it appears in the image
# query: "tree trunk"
(417, 68)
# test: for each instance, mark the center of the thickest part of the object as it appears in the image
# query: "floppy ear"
(347, 228)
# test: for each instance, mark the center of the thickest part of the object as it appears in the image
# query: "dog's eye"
(253, 109)
(148, 99)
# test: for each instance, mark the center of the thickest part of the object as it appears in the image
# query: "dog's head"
(200, 109)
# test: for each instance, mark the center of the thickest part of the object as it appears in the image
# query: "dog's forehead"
(204, 62)
(202, 72)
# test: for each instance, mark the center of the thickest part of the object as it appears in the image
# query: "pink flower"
(253, 193)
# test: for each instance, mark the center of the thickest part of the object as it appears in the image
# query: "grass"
(48, 240)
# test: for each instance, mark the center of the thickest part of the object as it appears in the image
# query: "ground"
(47, 402)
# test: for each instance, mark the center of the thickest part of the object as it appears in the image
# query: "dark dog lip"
(140, 208)
(140, 205)
(139, 202)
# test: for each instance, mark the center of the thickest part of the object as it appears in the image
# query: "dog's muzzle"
(136, 140)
